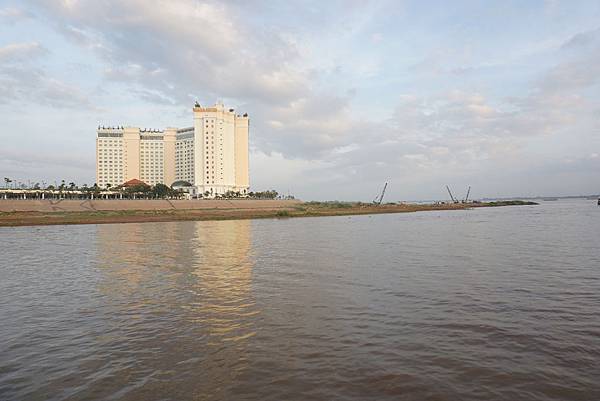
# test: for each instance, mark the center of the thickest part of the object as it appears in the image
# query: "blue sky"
(342, 95)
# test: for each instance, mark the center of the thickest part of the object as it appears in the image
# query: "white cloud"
(21, 51)
(203, 48)
(10, 15)
(28, 84)
(170, 53)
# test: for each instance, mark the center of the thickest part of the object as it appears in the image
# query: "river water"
(494, 304)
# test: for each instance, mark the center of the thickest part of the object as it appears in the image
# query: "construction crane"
(379, 198)
(451, 196)
(467, 197)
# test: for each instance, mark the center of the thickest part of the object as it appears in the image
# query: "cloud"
(11, 15)
(32, 85)
(334, 99)
(174, 50)
(583, 164)
(26, 158)
(178, 51)
(17, 52)
(203, 48)
(583, 40)
(308, 127)
(578, 68)
(23, 80)
(49, 169)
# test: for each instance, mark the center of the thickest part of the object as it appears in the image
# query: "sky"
(343, 96)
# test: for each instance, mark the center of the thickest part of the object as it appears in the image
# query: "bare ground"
(117, 211)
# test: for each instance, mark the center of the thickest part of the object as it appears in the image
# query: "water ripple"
(492, 304)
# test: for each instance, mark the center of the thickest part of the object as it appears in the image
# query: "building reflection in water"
(181, 291)
(224, 278)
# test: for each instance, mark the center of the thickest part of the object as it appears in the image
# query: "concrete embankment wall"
(70, 205)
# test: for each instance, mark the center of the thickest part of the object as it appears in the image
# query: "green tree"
(271, 194)
(161, 191)
(140, 189)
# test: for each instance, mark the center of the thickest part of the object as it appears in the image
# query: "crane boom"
(450, 193)
(467, 197)
(379, 198)
(382, 193)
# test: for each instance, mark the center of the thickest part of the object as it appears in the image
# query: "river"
(492, 303)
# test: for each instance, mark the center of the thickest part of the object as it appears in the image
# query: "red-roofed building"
(134, 182)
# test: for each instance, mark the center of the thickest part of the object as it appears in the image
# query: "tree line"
(144, 191)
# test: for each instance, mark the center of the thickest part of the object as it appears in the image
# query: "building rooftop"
(133, 183)
(182, 183)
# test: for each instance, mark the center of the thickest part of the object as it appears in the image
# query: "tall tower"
(220, 150)
(131, 154)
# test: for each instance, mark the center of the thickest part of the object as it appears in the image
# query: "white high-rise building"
(212, 155)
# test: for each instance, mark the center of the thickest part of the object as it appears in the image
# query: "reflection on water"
(196, 277)
(485, 304)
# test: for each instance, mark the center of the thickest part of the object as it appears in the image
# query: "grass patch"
(511, 203)
(330, 204)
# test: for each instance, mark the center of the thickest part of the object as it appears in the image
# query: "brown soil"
(222, 211)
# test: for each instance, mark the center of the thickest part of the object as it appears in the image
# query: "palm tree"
(7, 181)
(95, 190)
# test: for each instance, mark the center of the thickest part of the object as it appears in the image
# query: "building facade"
(212, 155)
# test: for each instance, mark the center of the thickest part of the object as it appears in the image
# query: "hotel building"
(212, 155)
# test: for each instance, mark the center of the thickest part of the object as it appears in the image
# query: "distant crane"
(467, 197)
(379, 198)
(451, 196)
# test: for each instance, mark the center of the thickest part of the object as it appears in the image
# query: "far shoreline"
(112, 212)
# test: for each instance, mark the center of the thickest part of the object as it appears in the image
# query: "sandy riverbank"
(87, 205)
(27, 213)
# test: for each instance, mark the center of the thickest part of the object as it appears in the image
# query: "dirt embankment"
(24, 213)
(87, 205)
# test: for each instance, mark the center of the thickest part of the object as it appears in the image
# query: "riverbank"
(29, 213)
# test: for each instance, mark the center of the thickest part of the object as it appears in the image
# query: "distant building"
(212, 155)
